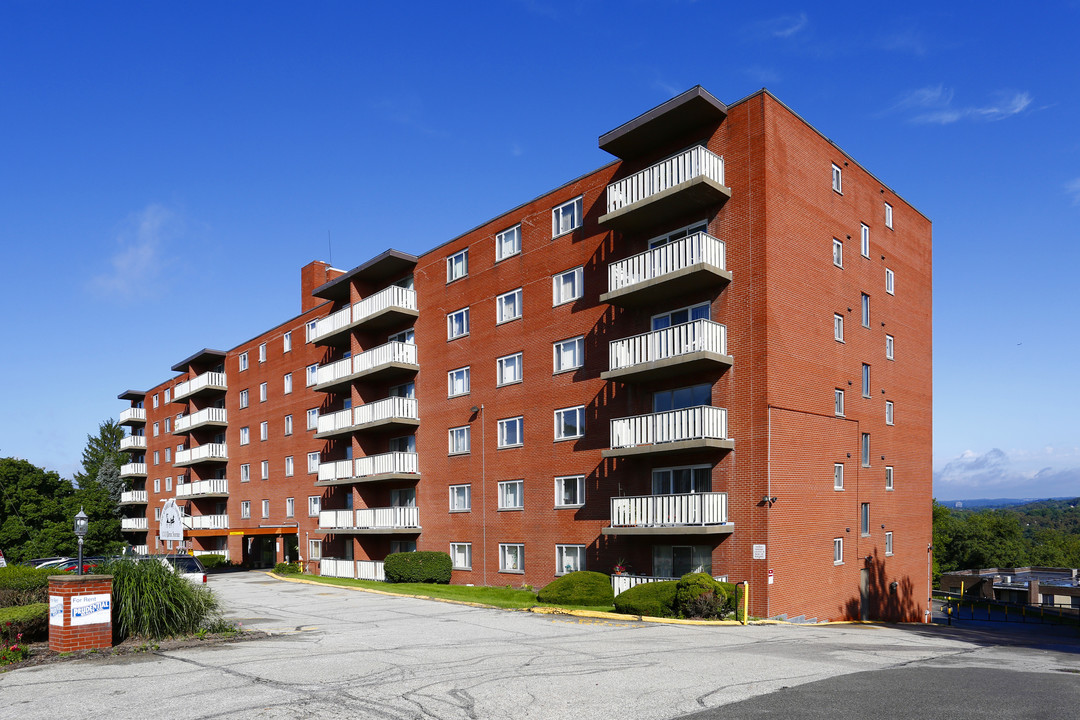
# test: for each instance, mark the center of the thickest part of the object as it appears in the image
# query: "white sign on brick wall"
(91, 609)
(56, 610)
(759, 552)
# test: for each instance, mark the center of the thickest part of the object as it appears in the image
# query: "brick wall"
(68, 637)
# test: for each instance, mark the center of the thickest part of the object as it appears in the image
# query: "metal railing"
(133, 415)
(622, 583)
(224, 553)
(332, 323)
(133, 496)
(387, 518)
(391, 352)
(209, 451)
(687, 165)
(215, 380)
(693, 423)
(708, 508)
(129, 469)
(337, 470)
(206, 522)
(213, 486)
(391, 462)
(386, 409)
(133, 442)
(140, 549)
(334, 371)
(335, 421)
(138, 523)
(694, 336)
(666, 259)
(370, 570)
(336, 567)
(206, 415)
(392, 296)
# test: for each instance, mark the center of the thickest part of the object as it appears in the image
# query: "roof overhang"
(204, 355)
(131, 395)
(379, 268)
(677, 116)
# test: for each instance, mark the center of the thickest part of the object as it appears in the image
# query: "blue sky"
(210, 148)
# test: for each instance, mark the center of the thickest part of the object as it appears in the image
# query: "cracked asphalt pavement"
(336, 653)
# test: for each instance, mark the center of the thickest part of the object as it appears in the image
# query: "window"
(508, 369)
(157, 430)
(266, 508)
(890, 281)
(457, 382)
(569, 558)
(313, 418)
(511, 558)
(570, 423)
(168, 484)
(314, 504)
(155, 400)
(838, 551)
(865, 380)
(403, 497)
(400, 546)
(155, 457)
(245, 473)
(245, 436)
(681, 480)
(168, 395)
(265, 469)
(508, 243)
(566, 217)
(262, 352)
(286, 342)
(511, 495)
(262, 392)
(837, 179)
(457, 324)
(569, 354)
(865, 310)
(570, 491)
(838, 400)
(568, 286)
(314, 549)
(243, 361)
(864, 519)
(838, 476)
(168, 425)
(888, 477)
(681, 398)
(457, 265)
(837, 253)
(838, 327)
(460, 498)
(511, 432)
(459, 440)
(888, 543)
(865, 449)
(290, 507)
(157, 485)
(243, 399)
(264, 430)
(168, 455)
(461, 556)
(890, 346)
(508, 306)
(405, 336)
(889, 412)
(680, 316)
(864, 240)
(288, 425)
(309, 330)
(157, 516)
(888, 216)
(402, 444)
(313, 462)
(701, 226)
(245, 509)
(288, 466)
(312, 375)
(677, 560)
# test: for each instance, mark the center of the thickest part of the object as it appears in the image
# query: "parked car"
(49, 562)
(187, 565)
(89, 564)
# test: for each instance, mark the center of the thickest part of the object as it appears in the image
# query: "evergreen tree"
(105, 445)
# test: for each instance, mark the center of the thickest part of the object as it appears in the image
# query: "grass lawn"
(501, 597)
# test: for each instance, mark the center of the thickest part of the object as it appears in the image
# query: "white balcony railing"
(335, 421)
(132, 469)
(140, 549)
(391, 352)
(392, 296)
(133, 442)
(332, 323)
(335, 567)
(387, 409)
(337, 470)
(213, 486)
(334, 371)
(709, 508)
(133, 496)
(667, 259)
(670, 342)
(133, 415)
(206, 522)
(622, 583)
(223, 552)
(384, 518)
(336, 519)
(370, 570)
(693, 423)
(137, 523)
(209, 451)
(392, 462)
(687, 165)
(208, 380)
(206, 415)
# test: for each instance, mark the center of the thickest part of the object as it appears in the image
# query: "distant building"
(1046, 587)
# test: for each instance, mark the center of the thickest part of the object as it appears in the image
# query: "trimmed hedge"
(30, 620)
(427, 566)
(287, 568)
(698, 595)
(579, 588)
(23, 585)
(655, 599)
(213, 562)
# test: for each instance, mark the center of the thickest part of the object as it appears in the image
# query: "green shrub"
(154, 601)
(655, 599)
(23, 585)
(292, 568)
(30, 621)
(579, 588)
(213, 562)
(698, 595)
(418, 567)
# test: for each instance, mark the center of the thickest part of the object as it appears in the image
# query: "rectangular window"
(459, 440)
(288, 425)
(568, 286)
(838, 401)
(245, 509)
(569, 558)
(865, 380)
(508, 306)
(265, 508)
(262, 352)
(888, 216)
(168, 395)
(168, 425)
(511, 495)
(511, 432)
(309, 330)
(890, 281)
(155, 400)
(312, 375)
(457, 265)
(460, 498)
(837, 253)
(265, 469)
(864, 519)
(262, 392)
(838, 551)
(461, 556)
(889, 412)
(290, 507)
(888, 543)
(405, 336)
(838, 476)
(243, 361)
(888, 477)
(566, 217)
(245, 473)
(314, 504)
(570, 423)
(400, 546)
(168, 455)
(865, 310)
(864, 240)
(243, 399)
(313, 418)
(245, 436)
(156, 457)
(457, 382)
(570, 491)
(508, 243)
(569, 354)
(511, 558)
(838, 327)
(286, 342)
(890, 346)
(457, 324)
(313, 462)
(837, 179)
(508, 369)
(314, 549)
(168, 484)
(264, 431)
(157, 485)
(157, 430)
(288, 466)
(157, 516)
(865, 449)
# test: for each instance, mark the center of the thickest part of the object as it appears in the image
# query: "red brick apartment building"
(712, 354)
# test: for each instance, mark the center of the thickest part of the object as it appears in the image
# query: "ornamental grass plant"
(152, 600)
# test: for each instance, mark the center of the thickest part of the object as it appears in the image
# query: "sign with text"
(172, 522)
(759, 552)
(91, 609)
(56, 610)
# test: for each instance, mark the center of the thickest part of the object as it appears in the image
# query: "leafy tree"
(33, 515)
(100, 448)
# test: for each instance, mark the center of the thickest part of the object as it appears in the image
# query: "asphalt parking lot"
(337, 653)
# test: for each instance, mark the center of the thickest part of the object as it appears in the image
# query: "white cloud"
(788, 25)
(1073, 189)
(137, 266)
(934, 105)
(993, 474)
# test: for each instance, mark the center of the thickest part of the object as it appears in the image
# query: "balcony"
(133, 443)
(358, 569)
(223, 552)
(686, 348)
(207, 417)
(206, 522)
(687, 514)
(390, 306)
(133, 416)
(392, 413)
(691, 263)
(393, 358)
(133, 497)
(208, 382)
(691, 180)
(216, 487)
(210, 452)
(374, 468)
(140, 549)
(137, 524)
(133, 470)
(695, 428)
(371, 521)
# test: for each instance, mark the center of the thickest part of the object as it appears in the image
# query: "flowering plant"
(15, 653)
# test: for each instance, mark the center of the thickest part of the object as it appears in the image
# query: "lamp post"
(82, 524)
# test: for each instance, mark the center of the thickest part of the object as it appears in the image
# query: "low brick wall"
(80, 612)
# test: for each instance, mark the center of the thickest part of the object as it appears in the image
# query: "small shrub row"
(425, 566)
(31, 622)
(579, 588)
(23, 585)
(655, 599)
(292, 568)
(695, 595)
(213, 562)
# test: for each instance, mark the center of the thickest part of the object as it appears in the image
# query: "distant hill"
(985, 503)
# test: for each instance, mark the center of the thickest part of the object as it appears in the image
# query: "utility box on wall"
(80, 612)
